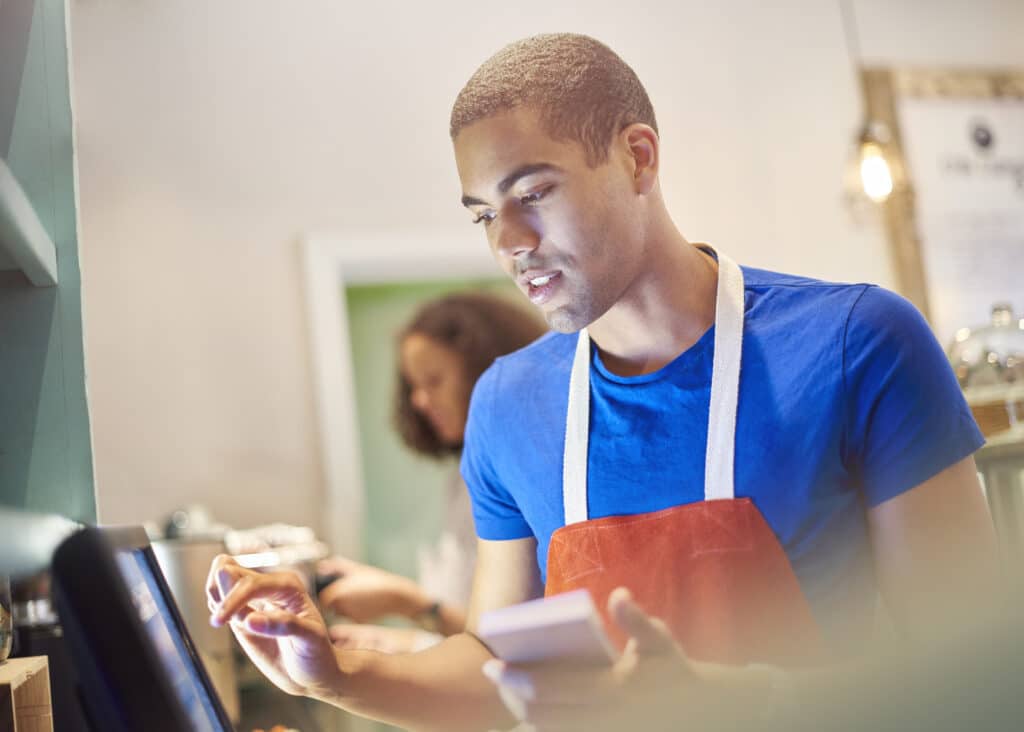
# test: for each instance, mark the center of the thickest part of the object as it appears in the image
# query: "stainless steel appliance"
(185, 563)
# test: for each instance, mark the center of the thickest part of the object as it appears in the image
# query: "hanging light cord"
(848, 20)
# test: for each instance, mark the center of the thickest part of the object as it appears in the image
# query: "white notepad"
(564, 627)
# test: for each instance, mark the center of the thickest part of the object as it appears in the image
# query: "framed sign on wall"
(955, 219)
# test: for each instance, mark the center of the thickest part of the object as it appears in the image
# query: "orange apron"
(712, 570)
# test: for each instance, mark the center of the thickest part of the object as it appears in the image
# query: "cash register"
(137, 666)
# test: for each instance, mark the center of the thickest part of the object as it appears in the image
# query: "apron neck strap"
(725, 382)
(718, 468)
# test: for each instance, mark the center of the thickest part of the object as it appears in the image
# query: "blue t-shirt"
(846, 400)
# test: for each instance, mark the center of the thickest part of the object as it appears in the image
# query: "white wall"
(212, 134)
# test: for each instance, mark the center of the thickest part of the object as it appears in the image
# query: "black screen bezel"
(123, 681)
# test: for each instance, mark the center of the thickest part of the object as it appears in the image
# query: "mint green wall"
(403, 491)
(45, 454)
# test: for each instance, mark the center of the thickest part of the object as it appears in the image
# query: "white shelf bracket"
(23, 239)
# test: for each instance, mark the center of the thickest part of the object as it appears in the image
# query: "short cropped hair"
(478, 328)
(580, 88)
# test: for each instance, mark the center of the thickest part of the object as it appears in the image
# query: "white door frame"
(332, 262)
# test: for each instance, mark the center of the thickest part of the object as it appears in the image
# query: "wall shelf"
(24, 243)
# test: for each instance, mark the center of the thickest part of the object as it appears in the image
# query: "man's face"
(565, 232)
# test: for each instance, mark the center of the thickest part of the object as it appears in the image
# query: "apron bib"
(712, 570)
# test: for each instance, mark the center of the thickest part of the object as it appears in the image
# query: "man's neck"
(666, 309)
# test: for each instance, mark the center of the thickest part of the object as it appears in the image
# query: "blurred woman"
(448, 344)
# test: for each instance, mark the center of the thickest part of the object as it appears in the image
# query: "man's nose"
(515, 235)
(420, 400)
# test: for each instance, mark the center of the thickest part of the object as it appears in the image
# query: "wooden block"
(25, 695)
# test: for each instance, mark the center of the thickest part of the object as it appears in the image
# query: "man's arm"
(506, 574)
(935, 554)
(442, 688)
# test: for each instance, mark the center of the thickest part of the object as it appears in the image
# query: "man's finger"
(241, 586)
(219, 562)
(239, 595)
(283, 624)
(266, 647)
(651, 634)
(226, 578)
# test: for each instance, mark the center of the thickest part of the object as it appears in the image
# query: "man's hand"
(648, 684)
(380, 638)
(278, 626)
(365, 594)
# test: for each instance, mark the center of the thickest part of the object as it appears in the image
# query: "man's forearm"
(441, 688)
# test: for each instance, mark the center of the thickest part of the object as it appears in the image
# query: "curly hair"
(579, 87)
(478, 328)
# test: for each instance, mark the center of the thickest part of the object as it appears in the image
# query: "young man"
(753, 455)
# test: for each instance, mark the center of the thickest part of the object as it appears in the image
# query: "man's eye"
(535, 196)
(484, 218)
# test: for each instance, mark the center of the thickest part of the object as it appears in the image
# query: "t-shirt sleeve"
(907, 419)
(496, 514)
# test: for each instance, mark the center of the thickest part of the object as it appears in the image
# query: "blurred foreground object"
(971, 683)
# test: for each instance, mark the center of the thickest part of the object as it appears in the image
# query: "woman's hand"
(365, 594)
(278, 625)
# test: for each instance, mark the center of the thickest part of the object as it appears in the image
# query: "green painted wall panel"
(404, 492)
(45, 448)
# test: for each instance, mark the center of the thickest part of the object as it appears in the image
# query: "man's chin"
(562, 320)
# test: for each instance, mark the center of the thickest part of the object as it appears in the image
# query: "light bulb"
(875, 176)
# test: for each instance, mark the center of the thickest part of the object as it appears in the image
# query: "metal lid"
(991, 355)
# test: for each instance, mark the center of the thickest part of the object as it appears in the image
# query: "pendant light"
(873, 174)
(873, 166)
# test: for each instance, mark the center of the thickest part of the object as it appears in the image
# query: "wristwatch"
(430, 619)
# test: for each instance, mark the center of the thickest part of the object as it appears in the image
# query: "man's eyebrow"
(470, 201)
(510, 180)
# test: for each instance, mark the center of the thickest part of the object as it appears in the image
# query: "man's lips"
(540, 286)
(536, 277)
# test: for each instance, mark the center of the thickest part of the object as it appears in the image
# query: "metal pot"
(185, 564)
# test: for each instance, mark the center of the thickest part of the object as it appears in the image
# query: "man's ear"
(644, 148)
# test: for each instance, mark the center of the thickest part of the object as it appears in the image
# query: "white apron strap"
(718, 468)
(725, 382)
(577, 427)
